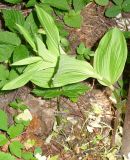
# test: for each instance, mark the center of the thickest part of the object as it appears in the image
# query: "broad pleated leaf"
(27, 61)
(43, 77)
(51, 30)
(38, 66)
(18, 82)
(71, 70)
(31, 23)
(110, 56)
(43, 52)
(27, 36)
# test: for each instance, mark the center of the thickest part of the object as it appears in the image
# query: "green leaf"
(126, 6)
(110, 56)
(63, 5)
(27, 155)
(20, 52)
(30, 24)
(43, 77)
(53, 38)
(15, 130)
(81, 49)
(17, 104)
(13, 17)
(44, 53)
(6, 51)
(28, 75)
(47, 93)
(63, 32)
(126, 34)
(113, 11)
(71, 91)
(15, 148)
(3, 120)
(71, 70)
(31, 3)
(6, 156)
(83, 52)
(78, 4)
(3, 140)
(38, 150)
(27, 61)
(73, 19)
(13, 74)
(13, 1)
(118, 2)
(38, 66)
(9, 38)
(27, 36)
(18, 82)
(4, 73)
(46, 7)
(102, 2)
(74, 90)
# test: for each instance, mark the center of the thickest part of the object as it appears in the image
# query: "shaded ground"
(84, 129)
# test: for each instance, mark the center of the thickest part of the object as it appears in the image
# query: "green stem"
(58, 117)
(117, 117)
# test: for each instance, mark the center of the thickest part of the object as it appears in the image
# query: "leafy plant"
(118, 7)
(8, 42)
(102, 2)
(6, 156)
(79, 4)
(43, 66)
(4, 120)
(11, 17)
(72, 91)
(29, 3)
(84, 53)
(45, 62)
(110, 57)
(73, 19)
(3, 140)
(42, 70)
(18, 104)
(55, 3)
(15, 148)
(70, 11)
(9, 134)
